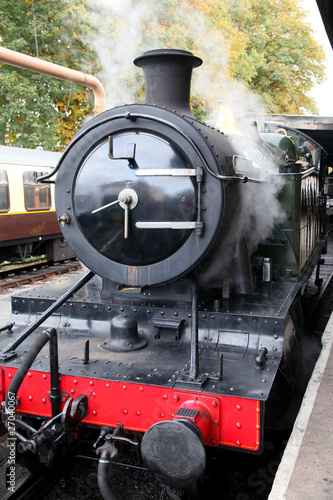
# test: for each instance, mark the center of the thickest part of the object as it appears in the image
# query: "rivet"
(75, 381)
(216, 423)
(238, 443)
(162, 415)
(214, 403)
(72, 391)
(165, 396)
(239, 408)
(125, 412)
(44, 376)
(44, 401)
(30, 398)
(29, 374)
(108, 385)
(94, 412)
(91, 382)
(175, 397)
(124, 387)
(138, 413)
(239, 425)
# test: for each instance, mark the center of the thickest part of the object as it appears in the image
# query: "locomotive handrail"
(13, 345)
(129, 116)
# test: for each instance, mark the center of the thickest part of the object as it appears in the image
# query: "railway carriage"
(28, 222)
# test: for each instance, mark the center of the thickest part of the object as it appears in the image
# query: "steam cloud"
(121, 38)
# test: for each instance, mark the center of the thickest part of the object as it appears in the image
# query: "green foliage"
(250, 48)
(32, 106)
(287, 60)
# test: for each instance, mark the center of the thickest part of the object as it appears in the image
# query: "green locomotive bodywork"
(296, 243)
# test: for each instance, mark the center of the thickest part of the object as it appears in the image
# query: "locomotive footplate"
(239, 355)
(230, 341)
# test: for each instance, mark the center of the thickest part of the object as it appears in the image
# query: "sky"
(323, 92)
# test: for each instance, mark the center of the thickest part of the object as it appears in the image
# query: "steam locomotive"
(185, 332)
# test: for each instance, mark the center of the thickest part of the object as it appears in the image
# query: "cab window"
(36, 196)
(4, 191)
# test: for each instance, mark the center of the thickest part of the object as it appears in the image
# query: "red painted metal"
(233, 422)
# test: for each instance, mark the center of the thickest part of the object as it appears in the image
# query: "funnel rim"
(195, 61)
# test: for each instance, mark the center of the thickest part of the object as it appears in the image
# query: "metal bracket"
(199, 381)
(7, 356)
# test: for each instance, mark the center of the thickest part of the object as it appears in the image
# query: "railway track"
(36, 272)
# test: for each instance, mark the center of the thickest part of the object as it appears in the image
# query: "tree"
(36, 110)
(287, 59)
(252, 49)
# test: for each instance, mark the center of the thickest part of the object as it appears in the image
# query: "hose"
(102, 479)
(27, 361)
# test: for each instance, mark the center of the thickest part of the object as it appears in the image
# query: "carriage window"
(37, 196)
(4, 192)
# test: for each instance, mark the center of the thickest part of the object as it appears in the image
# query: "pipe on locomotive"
(47, 68)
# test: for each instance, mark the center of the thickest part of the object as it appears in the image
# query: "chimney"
(168, 77)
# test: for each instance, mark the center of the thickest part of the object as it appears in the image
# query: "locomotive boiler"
(184, 334)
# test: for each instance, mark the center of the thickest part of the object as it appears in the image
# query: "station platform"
(306, 468)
